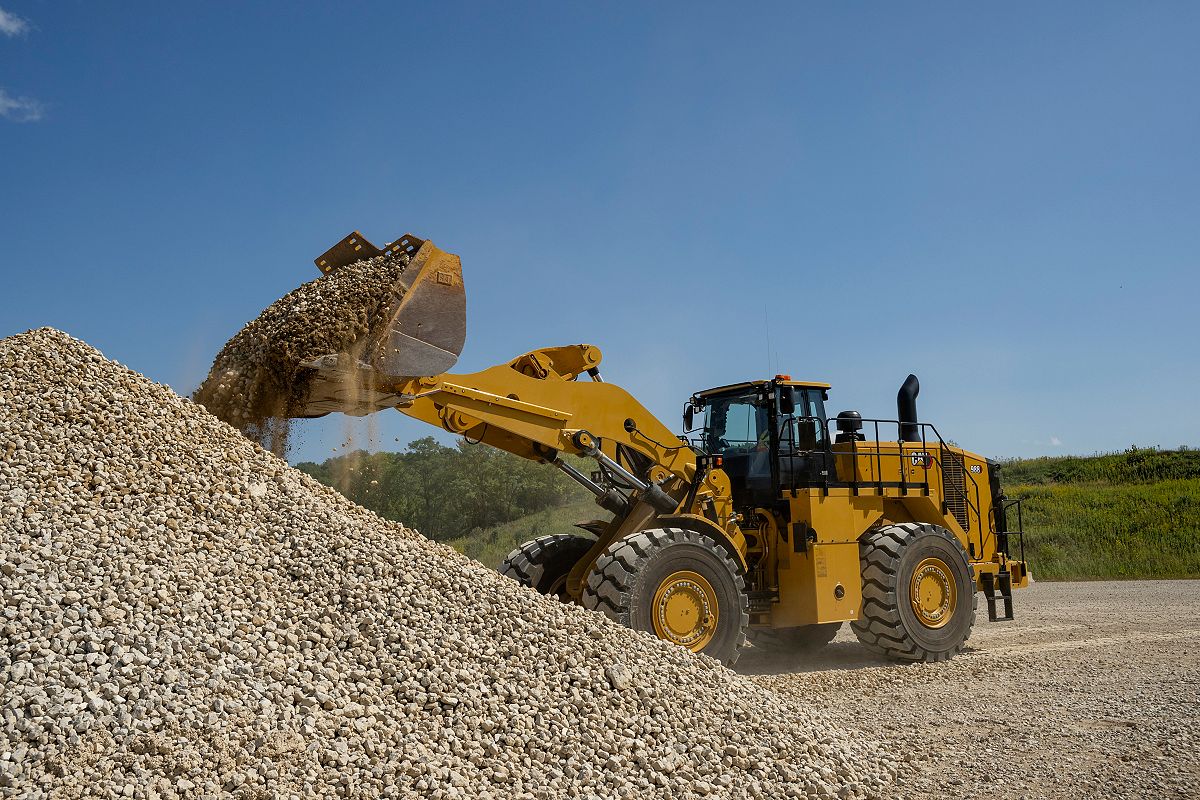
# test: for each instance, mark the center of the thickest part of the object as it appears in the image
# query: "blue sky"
(1003, 199)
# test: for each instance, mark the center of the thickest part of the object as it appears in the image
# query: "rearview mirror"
(787, 400)
(688, 416)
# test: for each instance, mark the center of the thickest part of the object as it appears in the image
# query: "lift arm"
(534, 406)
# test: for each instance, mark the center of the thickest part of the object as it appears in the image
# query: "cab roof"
(779, 381)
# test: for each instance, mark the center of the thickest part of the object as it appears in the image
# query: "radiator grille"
(956, 489)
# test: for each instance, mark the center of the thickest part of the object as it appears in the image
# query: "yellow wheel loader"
(767, 518)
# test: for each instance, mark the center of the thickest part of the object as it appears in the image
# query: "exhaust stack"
(906, 409)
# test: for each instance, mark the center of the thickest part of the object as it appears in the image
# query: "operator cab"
(768, 436)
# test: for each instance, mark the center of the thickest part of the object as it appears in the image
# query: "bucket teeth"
(356, 247)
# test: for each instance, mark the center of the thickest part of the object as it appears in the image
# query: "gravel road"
(1094, 690)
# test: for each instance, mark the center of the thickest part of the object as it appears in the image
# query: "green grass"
(1134, 514)
(1108, 531)
(490, 545)
(1135, 465)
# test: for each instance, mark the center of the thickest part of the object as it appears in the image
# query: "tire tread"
(880, 627)
(609, 587)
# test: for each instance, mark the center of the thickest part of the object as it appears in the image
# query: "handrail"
(1020, 531)
(944, 454)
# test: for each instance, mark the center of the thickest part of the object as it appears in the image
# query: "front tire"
(679, 585)
(918, 593)
(544, 563)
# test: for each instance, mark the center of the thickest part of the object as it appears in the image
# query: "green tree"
(446, 492)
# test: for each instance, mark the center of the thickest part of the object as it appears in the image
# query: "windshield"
(734, 424)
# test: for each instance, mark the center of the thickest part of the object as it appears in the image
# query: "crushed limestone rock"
(184, 615)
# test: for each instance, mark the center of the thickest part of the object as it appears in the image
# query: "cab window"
(734, 424)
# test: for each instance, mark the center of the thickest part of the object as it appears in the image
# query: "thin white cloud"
(20, 109)
(1055, 441)
(11, 24)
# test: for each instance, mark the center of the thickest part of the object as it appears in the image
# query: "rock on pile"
(186, 616)
(253, 382)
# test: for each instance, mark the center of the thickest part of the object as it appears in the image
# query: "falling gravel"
(187, 616)
(256, 378)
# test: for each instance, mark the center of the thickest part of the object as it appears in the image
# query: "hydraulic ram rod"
(651, 493)
(608, 499)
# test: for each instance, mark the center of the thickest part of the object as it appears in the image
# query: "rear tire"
(544, 563)
(807, 638)
(918, 593)
(678, 584)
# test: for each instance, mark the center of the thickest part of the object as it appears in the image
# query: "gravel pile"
(184, 615)
(253, 379)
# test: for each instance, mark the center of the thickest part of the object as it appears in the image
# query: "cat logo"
(922, 460)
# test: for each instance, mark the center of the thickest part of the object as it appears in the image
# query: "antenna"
(767, 328)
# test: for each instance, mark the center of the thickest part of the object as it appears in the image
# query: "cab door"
(804, 456)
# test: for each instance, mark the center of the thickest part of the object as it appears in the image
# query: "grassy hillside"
(1135, 465)
(490, 545)
(1119, 515)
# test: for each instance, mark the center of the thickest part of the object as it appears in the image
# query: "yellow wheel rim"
(933, 593)
(559, 589)
(685, 610)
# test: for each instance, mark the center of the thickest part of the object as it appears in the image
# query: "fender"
(734, 543)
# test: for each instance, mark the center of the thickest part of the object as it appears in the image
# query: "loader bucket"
(421, 335)
(425, 330)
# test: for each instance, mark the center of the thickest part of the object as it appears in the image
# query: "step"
(1001, 581)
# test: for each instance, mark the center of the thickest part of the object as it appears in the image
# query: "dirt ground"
(1092, 691)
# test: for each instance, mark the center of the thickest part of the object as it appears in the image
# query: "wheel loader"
(767, 518)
